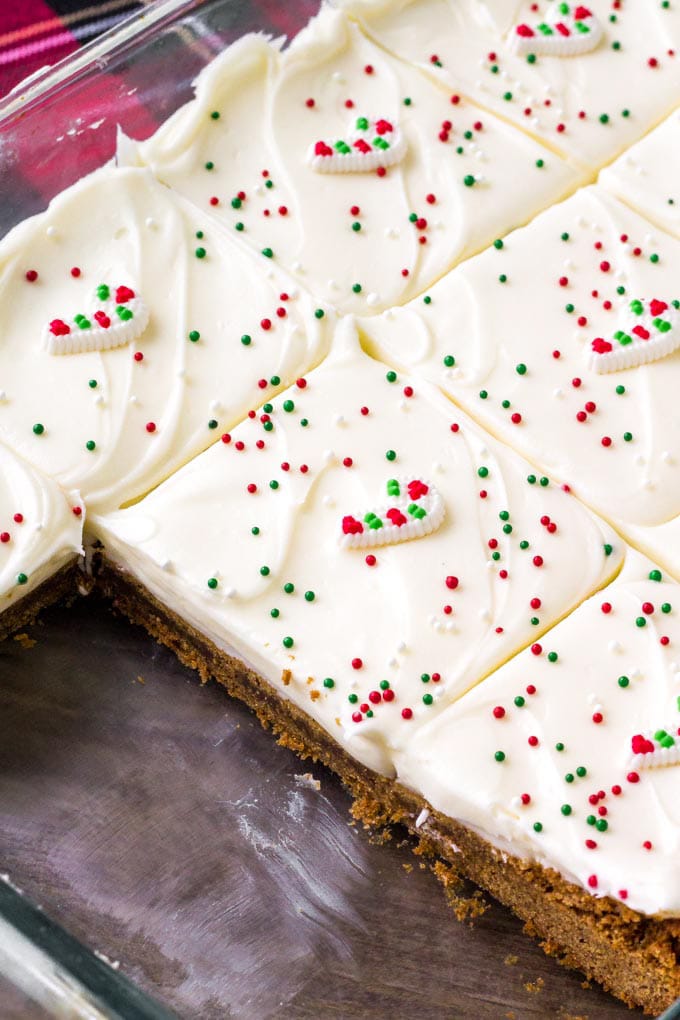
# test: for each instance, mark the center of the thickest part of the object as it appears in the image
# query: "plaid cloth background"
(42, 155)
(38, 32)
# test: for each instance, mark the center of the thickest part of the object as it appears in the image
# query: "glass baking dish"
(153, 821)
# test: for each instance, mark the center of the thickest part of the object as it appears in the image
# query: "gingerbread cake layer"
(64, 585)
(635, 957)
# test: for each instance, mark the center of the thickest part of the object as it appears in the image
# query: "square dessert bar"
(363, 547)
(586, 79)
(576, 768)
(562, 340)
(40, 542)
(646, 176)
(133, 332)
(365, 178)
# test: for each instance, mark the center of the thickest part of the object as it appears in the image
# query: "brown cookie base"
(63, 585)
(636, 958)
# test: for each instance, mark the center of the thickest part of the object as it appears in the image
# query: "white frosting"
(475, 53)
(491, 328)
(391, 615)
(579, 702)
(342, 231)
(120, 226)
(39, 532)
(646, 176)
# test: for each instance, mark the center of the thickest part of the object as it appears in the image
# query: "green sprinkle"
(288, 406)
(268, 253)
(210, 165)
(212, 582)
(559, 746)
(569, 778)
(200, 253)
(507, 96)
(356, 287)
(620, 389)
(407, 100)
(215, 115)
(275, 613)
(427, 300)
(22, 578)
(520, 701)
(246, 339)
(499, 755)
(531, 58)
(540, 163)
(92, 384)
(90, 445)
(640, 622)
(275, 380)
(538, 827)
(544, 481)
(498, 244)
(666, 607)
(427, 699)
(608, 549)
(581, 771)
(356, 226)
(483, 472)
(236, 203)
(288, 642)
(552, 656)
(391, 376)
(623, 681)
(255, 530)
(602, 825)
(468, 180)
(194, 336)
(238, 226)
(654, 258)
(566, 809)
(352, 698)
(309, 596)
(391, 455)
(483, 394)
(304, 422)
(449, 360)
(319, 313)
(199, 235)
(503, 278)
(564, 236)
(531, 479)
(38, 429)
(273, 484)
(289, 587)
(604, 118)
(264, 571)
(329, 682)
(521, 369)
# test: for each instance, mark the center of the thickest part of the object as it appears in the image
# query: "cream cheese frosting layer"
(253, 543)
(590, 105)
(646, 176)
(40, 528)
(575, 761)
(510, 335)
(366, 179)
(176, 331)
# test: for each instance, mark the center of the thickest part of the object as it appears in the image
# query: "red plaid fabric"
(34, 33)
(136, 96)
